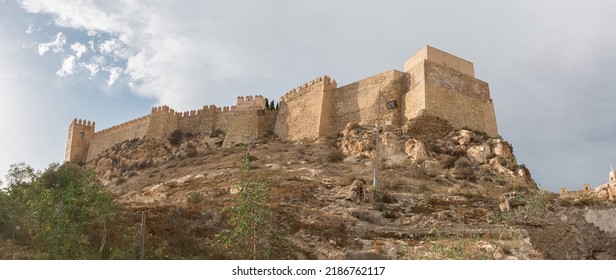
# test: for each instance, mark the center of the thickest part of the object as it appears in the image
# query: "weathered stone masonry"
(433, 83)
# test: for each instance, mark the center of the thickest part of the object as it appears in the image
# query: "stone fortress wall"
(433, 83)
(358, 101)
(306, 110)
(106, 138)
(84, 144)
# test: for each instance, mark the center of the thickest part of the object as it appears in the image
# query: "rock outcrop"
(461, 153)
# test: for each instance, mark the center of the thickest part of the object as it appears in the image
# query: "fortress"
(434, 83)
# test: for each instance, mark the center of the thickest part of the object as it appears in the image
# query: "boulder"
(416, 150)
(497, 165)
(390, 144)
(397, 160)
(352, 159)
(511, 200)
(358, 192)
(502, 149)
(353, 147)
(466, 137)
(355, 192)
(479, 153)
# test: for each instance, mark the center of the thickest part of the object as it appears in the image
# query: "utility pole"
(375, 183)
(142, 235)
(253, 128)
(390, 106)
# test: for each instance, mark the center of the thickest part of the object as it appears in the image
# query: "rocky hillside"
(442, 194)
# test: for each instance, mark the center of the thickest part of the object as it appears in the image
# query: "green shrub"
(463, 169)
(176, 138)
(335, 156)
(194, 197)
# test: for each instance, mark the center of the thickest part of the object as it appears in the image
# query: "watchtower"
(444, 85)
(80, 133)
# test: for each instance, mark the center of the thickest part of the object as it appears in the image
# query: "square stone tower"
(80, 133)
(444, 86)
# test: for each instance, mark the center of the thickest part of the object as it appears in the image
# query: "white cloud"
(30, 30)
(68, 67)
(94, 66)
(79, 49)
(160, 51)
(115, 48)
(57, 45)
(114, 74)
(80, 14)
(136, 67)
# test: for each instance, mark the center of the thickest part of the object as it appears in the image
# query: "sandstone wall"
(246, 126)
(222, 119)
(198, 121)
(415, 99)
(357, 102)
(441, 58)
(106, 138)
(462, 100)
(301, 111)
(163, 121)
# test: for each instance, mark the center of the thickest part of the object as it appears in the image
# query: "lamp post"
(260, 112)
(390, 106)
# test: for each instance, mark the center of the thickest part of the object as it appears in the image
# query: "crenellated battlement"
(162, 109)
(206, 110)
(250, 102)
(298, 91)
(228, 108)
(122, 125)
(83, 123)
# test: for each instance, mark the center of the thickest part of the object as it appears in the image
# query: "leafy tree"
(5, 210)
(272, 106)
(62, 213)
(252, 233)
(277, 105)
(267, 106)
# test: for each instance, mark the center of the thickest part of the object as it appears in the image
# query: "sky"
(551, 65)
